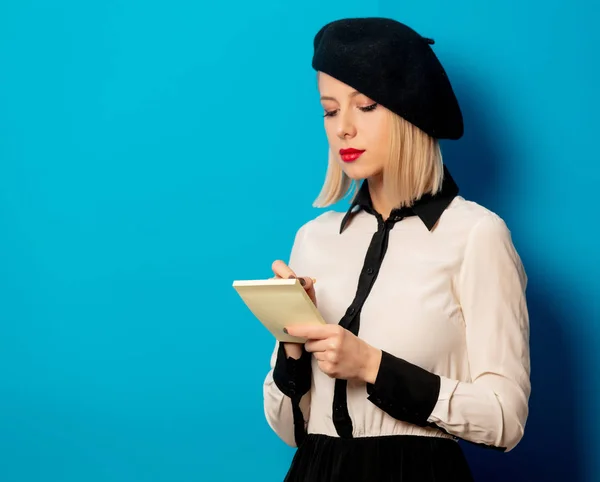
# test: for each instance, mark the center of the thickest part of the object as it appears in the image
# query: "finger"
(315, 346)
(282, 270)
(321, 356)
(309, 285)
(327, 368)
(312, 332)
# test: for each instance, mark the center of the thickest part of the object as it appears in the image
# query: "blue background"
(151, 152)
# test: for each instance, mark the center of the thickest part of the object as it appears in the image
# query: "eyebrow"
(353, 94)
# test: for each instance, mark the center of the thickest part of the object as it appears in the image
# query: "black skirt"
(395, 458)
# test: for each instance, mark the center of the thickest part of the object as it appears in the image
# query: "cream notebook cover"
(278, 303)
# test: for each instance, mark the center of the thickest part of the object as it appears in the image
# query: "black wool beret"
(393, 65)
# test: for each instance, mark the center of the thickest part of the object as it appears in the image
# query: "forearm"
(490, 411)
(279, 412)
(371, 366)
(403, 390)
(286, 394)
(293, 350)
(292, 375)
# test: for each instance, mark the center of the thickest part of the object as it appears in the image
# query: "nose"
(346, 127)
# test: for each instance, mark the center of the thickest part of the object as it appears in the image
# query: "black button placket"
(351, 320)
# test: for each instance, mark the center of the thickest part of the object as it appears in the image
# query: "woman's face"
(354, 121)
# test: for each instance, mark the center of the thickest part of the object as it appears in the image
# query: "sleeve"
(492, 408)
(286, 388)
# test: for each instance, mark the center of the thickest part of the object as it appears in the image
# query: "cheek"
(330, 131)
(376, 133)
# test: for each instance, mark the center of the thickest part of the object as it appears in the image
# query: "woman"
(427, 335)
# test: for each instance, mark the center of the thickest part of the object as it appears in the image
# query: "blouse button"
(370, 271)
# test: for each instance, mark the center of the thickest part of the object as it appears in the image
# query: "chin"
(357, 172)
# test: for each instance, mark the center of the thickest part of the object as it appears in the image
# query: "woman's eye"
(368, 108)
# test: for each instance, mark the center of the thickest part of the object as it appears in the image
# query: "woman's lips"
(349, 155)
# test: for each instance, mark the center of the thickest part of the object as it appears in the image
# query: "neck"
(380, 203)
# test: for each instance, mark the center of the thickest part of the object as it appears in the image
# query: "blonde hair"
(414, 168)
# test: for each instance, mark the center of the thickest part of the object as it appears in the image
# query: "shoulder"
(483, 232)
(312, 236)
(488, 248)
(322, 223)
(475, 221)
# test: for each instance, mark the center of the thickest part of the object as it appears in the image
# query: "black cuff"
(292, 377)
(404, 391)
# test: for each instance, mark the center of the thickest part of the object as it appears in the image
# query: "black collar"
(429, 207)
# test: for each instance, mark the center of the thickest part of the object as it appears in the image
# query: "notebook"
(277, 303)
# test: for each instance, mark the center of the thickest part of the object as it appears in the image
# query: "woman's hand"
(282, 270)
(340, 353)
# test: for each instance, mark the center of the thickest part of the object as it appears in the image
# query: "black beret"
(393, 65)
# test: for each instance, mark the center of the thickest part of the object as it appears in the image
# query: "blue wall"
(144, 165)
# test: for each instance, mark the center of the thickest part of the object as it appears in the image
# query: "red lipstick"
(349, 155)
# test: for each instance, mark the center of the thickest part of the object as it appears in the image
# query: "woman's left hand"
(340, 353)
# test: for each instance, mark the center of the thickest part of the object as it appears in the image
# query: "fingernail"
(285, 331)
(302, 281)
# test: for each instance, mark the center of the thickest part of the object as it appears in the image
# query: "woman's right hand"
(282, 270)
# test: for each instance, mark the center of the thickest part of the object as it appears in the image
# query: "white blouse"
(450, 300)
